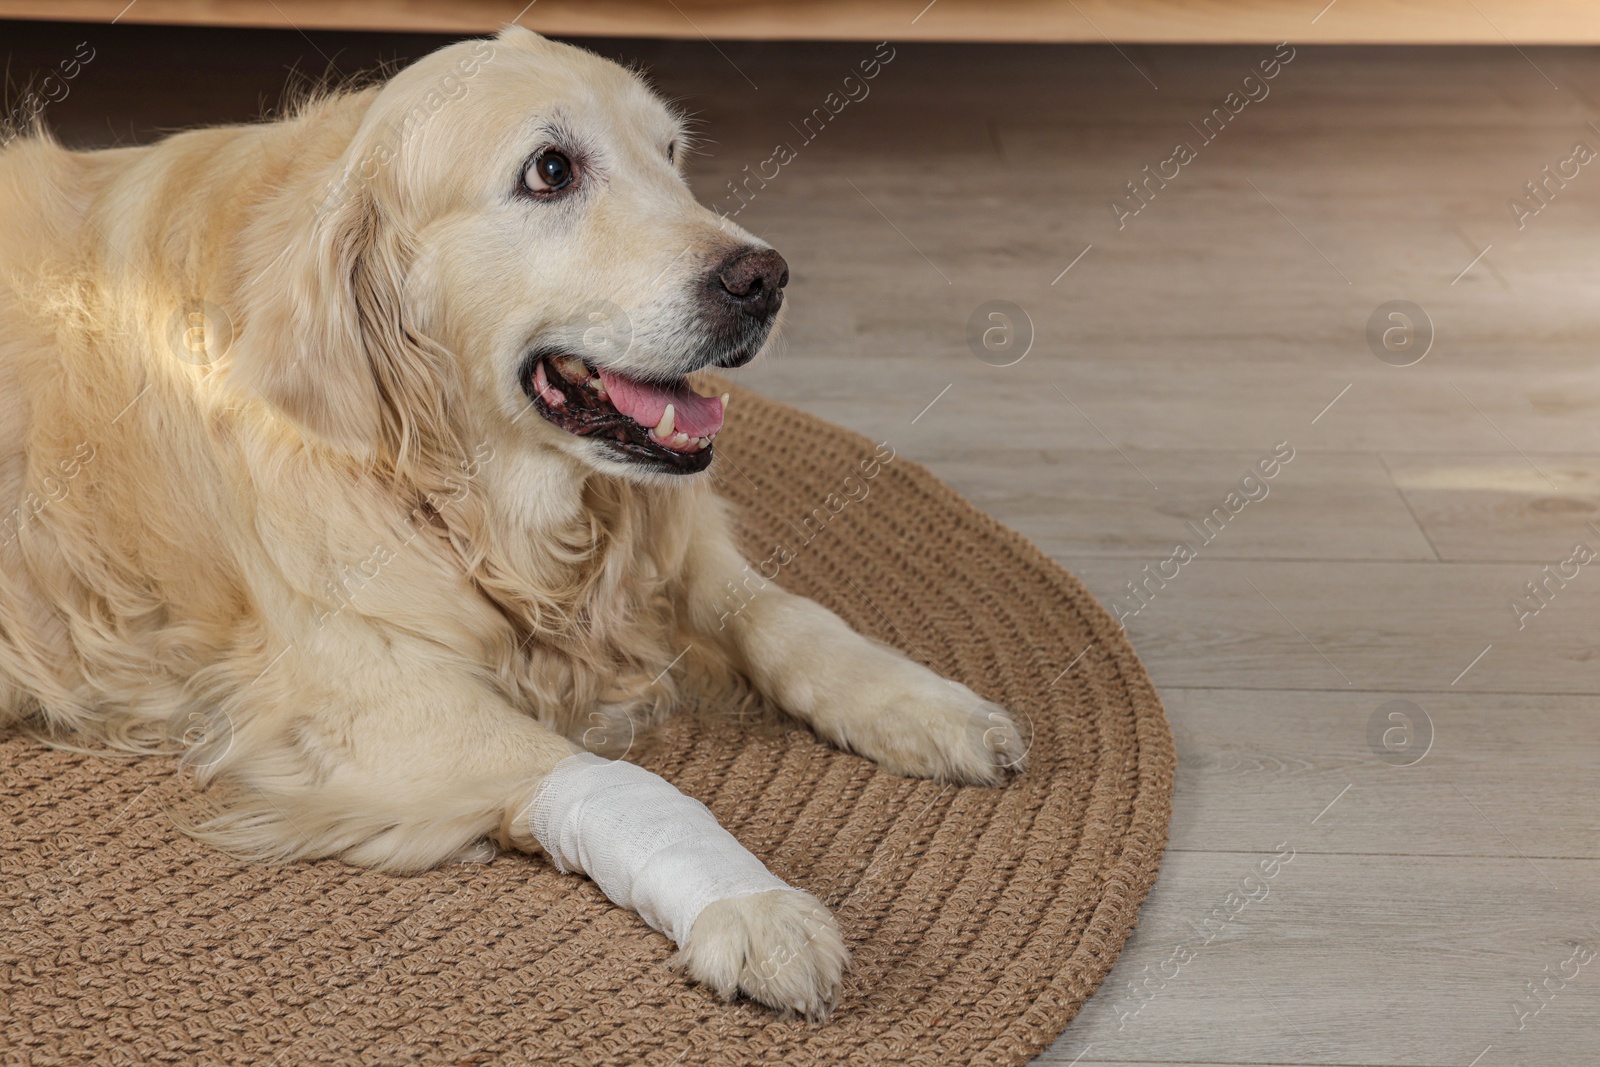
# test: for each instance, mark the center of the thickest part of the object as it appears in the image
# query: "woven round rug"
(979, 920)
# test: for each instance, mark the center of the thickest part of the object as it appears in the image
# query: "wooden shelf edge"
(1491, 22)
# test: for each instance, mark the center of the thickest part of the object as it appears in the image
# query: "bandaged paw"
(647, 846)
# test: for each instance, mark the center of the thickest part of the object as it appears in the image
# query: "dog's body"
(294, 479)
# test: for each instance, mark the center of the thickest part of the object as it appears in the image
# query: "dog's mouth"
(667, 426)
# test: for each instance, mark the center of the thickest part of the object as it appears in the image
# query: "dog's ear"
(328, 340)
(302, 346)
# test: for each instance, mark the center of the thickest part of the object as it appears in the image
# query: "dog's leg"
(662, 854)
(408, 763)
(857, 693)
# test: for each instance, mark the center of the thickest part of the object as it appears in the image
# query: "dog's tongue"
(692, 414)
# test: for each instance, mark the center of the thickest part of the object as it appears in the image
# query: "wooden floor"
(1432, 904)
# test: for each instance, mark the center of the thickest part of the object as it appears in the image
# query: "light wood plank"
(1164, 404)
(1536, 508)
(1355, 626)
(1349, 960)
(1084, 503)
(1474, 775)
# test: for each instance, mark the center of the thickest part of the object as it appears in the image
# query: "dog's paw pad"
(1000, 740)
(943, 730)
(781, 948)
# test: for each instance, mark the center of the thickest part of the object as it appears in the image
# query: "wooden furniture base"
(1149, 21)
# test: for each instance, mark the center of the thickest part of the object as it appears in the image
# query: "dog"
(357, 453)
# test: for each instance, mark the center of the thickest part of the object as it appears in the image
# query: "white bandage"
(647, 846)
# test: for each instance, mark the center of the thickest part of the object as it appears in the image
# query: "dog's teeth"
(680, 440)
(573, 370)
(668, 421)
(724, 399)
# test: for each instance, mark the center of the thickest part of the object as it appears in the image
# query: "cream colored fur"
(320, 540)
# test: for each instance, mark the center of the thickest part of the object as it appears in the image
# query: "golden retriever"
(356, 451)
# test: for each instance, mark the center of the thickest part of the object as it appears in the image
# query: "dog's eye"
(547, 172)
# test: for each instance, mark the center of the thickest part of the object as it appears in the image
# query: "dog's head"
(509, 230)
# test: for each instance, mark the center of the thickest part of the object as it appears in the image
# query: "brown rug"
(979, 919)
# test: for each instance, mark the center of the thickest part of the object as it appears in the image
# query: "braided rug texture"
(979, 920)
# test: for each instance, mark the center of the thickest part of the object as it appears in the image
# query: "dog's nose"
(754, 279)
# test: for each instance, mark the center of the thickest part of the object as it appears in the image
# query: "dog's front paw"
(781, 948)
(933, 728)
